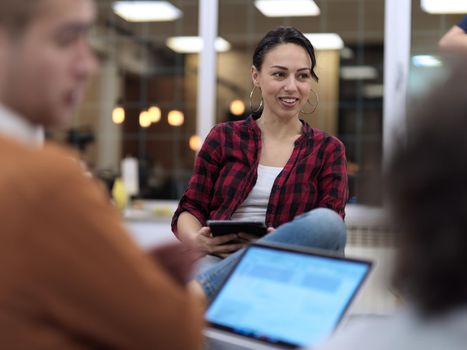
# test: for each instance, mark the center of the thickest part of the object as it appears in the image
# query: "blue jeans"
(319, 228)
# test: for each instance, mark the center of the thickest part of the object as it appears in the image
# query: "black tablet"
(224, 227)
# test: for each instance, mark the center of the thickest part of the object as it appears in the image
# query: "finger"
(205, 231)
(223, 239)
(243, 241)
(209, 244)
(228, 248)
(247, 237)
(271, 229)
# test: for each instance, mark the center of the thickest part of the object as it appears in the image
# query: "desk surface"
(149, 221)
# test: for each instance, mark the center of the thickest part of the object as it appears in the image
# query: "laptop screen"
(285, 296)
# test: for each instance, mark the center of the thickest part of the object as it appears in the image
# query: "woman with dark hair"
(272, 167)
(427, 190)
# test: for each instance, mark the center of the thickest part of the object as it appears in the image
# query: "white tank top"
(255, 205)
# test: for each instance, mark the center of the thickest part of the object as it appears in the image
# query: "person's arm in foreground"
(455, 40)
(90, 278)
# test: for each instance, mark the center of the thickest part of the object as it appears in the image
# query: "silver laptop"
(280, 297)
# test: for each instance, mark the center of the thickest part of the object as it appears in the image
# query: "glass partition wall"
(428, 63)
(156, 88)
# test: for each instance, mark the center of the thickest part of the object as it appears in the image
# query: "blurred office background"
(139, 71)
(144, 103)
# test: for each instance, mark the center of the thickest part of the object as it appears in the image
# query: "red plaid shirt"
(226, 171)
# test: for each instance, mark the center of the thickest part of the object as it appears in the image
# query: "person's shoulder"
(35, 176)
(364, 333)
(61, 159)
(405, 329)
(320, 136)
(234, 128)
(10, 147)
(234, 124)
(32, 165)
(334, 140)
(17, 156)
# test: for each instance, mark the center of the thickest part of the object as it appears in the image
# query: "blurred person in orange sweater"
(70, 276)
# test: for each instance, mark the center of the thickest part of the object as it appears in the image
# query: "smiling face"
(285, 80)
(49, 62)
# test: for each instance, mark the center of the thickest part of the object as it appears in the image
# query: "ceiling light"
(359, 73)
(194, 44)
(426, 61)
(287, 8)
(325, 41)
(146, 11)
(444, 7)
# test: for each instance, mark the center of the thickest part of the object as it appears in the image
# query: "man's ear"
(4, 40)
(5, 49)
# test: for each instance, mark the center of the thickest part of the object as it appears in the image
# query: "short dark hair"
(15, 15)
(427, 188)
(283, 35)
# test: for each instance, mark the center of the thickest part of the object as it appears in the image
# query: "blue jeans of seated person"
(319, 228)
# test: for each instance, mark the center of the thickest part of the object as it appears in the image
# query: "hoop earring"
(313, 106)
(251, 102)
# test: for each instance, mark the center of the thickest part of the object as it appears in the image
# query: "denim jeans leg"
(211, 278)
(319, 228)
